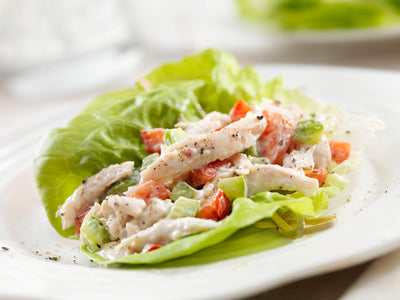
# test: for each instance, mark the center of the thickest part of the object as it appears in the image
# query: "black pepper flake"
(260, 117)
(348, 131)
(53, 258)
(236, 174)
(5, 248)
(281, 142)
(85, 180)
(201, 151)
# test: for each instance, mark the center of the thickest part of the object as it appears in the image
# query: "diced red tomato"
(78, 223)
(240, 110)
(217, 129)
(151, 247)
(275, 140)
(216, 207)
(150, 189)
(209, 172)
(319, 174)
(340, 151)
(153, 139)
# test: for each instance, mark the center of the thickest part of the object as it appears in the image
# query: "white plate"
(368, 225)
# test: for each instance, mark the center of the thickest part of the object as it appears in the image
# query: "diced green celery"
(122, 185)
(172, 136)
(252, 151)
(182, 189)
(148, 160)
(94, 234)
(184, 207)
(309, 131)
(258, 160)
(233, 187)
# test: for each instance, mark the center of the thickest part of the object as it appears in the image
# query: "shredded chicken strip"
(161, 233)
(274, 177)
(195, 152)
(91, 190)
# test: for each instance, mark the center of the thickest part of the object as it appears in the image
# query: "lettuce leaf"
(107, 131)
(245, 212)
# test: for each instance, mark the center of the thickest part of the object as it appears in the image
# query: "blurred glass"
(56, 47)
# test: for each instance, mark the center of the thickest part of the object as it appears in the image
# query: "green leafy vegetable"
(245, 212)
(107, 131)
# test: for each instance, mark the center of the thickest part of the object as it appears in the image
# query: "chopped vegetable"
(275, 140)
(148, 160)
(174, 135)
(78, 223)
(258, 160)
(209, 172)
(94, 234)
(151, 247)
(319, 174)
(150, 189)
(340, 151)
(251, 151)
(233, 187)
(293, 225)
(153, 139)
(184, 207)
(309, 131)
(122, 185)
(240, 110)
(182, 189)
(216, 207)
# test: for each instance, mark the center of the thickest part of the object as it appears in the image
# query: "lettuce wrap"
(107, 132)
